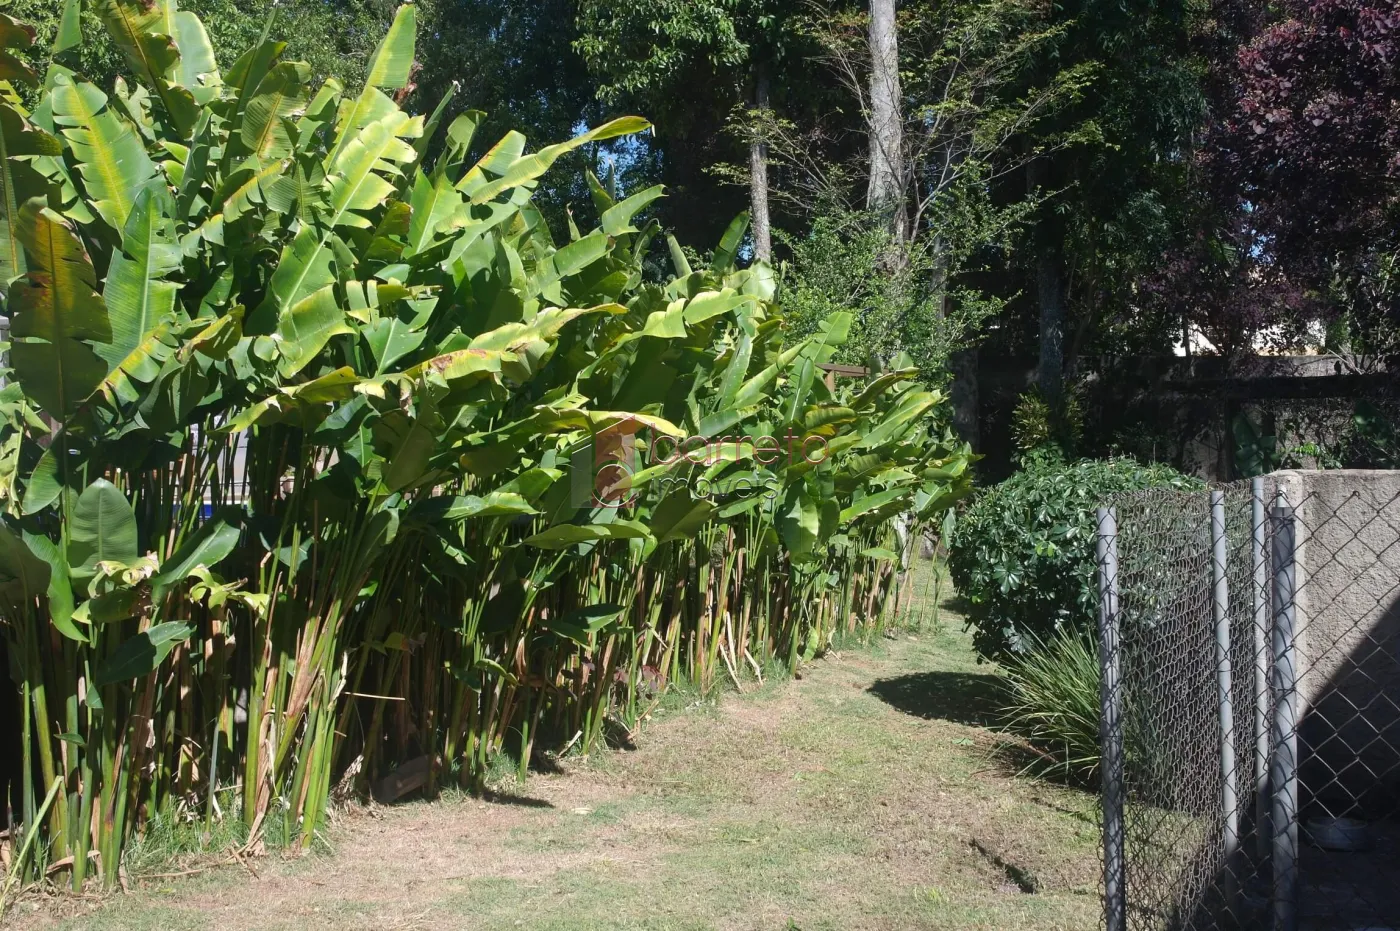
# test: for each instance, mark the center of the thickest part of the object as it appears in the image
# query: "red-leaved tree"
(1297, 179)
(1312, 145)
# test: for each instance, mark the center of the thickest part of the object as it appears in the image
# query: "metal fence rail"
(1250, 657)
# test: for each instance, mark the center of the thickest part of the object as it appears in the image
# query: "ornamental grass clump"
(1052, 703)
(300, 445)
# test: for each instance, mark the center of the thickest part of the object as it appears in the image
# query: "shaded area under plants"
(971, 698)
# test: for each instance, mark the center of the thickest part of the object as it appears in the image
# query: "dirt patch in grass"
(864, 796)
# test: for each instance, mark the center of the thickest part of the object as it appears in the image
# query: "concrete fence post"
(1259, 558)
(1283, 761)
(1111, 723)
(1229, 774)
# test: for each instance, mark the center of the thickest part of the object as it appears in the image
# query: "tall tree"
(960, 105)
(691, 66)
(1103, 171)
(886, 191)
(1049, 240)
(759, 214)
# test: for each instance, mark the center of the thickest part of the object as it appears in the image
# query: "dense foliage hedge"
(1023, 554)
(320, 455)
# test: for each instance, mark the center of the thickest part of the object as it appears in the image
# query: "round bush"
(1023, 553)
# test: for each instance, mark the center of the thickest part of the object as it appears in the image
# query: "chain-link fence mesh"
(1250, 637)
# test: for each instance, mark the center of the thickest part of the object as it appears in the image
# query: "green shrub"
(844, 262)
(1053, 702)
(1023, 554)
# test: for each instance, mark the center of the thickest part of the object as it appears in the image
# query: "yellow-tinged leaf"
(709, 304)
(544, 327)
(462, 363)
(141, 364)
(356, 177)
(668, 323)
(216, 339)
(54, 309)
(555, 420)
(333, 386)
(495, 162)
(248, 184)
(527, 168)
(392, 63)
(111, 158)
(281, 95)
(306, 327)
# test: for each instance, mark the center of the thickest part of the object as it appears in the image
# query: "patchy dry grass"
(866, 795)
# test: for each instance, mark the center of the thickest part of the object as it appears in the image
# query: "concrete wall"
(1348, 525)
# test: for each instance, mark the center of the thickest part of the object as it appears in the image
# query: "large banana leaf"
(111, 158)
(434, 203)
(102, 529)
(17, 137)
(197, 70)
(60, 589)
(23, 575)
(144, 31)
(139, 294)
(142, 653)
(393, 59)
(69, 34)
(562, 536)
(357, 181)
(306, 327)
(356, 184)
(617, 219)
(211, 543)
(55, 312)
(282, 94)
(141, 32)
(527, 168)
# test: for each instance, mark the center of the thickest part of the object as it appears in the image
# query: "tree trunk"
(1050, 290)
(886, 191)
(965, 396)
(759, 220)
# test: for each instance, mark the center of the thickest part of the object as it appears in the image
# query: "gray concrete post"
(1229, 774)
(1283, 762)
(1259, 558)
(1111, 723)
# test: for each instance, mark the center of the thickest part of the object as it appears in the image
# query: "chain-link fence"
(1250, 641)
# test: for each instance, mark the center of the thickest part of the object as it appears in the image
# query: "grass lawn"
(865, 795)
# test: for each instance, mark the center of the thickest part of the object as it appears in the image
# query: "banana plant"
(300, 433)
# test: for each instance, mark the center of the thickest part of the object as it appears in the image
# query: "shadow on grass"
(957, 603)
(961, 697)
(496, 797)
